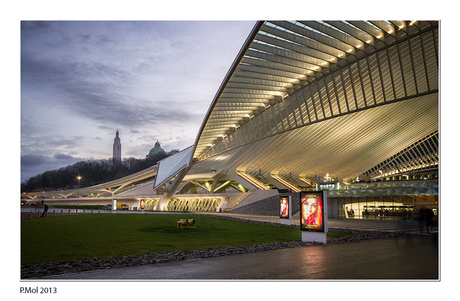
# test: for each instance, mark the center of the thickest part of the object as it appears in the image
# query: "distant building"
(156, 150)
(116, 150)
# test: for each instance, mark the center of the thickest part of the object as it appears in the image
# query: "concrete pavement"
(403, 258)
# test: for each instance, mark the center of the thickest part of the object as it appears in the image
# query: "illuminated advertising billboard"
(311, 211)
(142, 204)
(284, 207)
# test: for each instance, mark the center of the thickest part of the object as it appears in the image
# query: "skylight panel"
(290, 31)
(357, 28)
(323, 33)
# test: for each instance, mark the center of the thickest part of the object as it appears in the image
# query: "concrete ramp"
(265, 203)
(256, 196)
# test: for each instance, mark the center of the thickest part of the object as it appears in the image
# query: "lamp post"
(78, 189)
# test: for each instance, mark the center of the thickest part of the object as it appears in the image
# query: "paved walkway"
(406, 258)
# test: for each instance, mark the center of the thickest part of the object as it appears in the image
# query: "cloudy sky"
(81, 81)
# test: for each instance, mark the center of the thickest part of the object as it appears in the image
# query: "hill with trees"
(92, 172)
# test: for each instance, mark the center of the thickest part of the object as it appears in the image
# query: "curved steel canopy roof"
(305, 98)
(310, 97)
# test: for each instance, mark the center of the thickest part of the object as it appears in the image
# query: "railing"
(60, 212)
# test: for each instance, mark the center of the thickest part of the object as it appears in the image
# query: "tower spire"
(116, 149)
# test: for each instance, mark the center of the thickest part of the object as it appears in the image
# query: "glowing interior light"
(252, 180)
(286, 183)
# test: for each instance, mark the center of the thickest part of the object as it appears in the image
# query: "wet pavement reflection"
(403, 258)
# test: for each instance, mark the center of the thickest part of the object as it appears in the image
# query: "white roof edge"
(236, 61)
(172, 165)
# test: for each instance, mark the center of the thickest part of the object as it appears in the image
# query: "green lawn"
(108, 235)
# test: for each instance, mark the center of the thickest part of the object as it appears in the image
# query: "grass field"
(107, 235)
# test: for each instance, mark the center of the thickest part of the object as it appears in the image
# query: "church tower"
(116, 150)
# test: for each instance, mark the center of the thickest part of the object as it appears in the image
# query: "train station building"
(350, 107)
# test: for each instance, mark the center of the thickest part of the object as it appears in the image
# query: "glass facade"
(384, 207)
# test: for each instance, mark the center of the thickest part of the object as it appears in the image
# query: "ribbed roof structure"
(310, 97)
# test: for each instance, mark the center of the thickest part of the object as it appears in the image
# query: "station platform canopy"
(308, 98)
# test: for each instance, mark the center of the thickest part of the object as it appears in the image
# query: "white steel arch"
(317, 96)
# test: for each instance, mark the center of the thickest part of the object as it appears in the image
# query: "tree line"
(92, 172)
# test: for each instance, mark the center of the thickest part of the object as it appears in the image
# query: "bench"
(186, 224)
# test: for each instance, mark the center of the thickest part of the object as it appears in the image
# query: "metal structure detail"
(296, 73)
(421, 156)
(295, 79)
(305, 99)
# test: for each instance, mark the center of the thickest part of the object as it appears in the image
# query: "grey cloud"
(63, 157)
(47, 144)
(99, 99)
(33, 164)
(33, 160)
(98, 87)
(138, 77)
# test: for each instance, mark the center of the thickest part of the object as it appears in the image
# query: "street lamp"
(78, 189)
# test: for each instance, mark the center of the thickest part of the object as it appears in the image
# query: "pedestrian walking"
(45, 210)
(429, 220)
(422, 218)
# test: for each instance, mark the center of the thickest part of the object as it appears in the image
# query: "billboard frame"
(285, 220)
(289, 207)
(316, 232)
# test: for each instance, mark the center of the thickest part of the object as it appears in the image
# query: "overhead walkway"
(107, 189)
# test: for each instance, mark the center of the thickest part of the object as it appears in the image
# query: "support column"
(232, 175)
(171, 189)
(114, 204)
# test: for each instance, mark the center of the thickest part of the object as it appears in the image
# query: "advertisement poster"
(311, 211)
(284, 207)
(142, 204)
